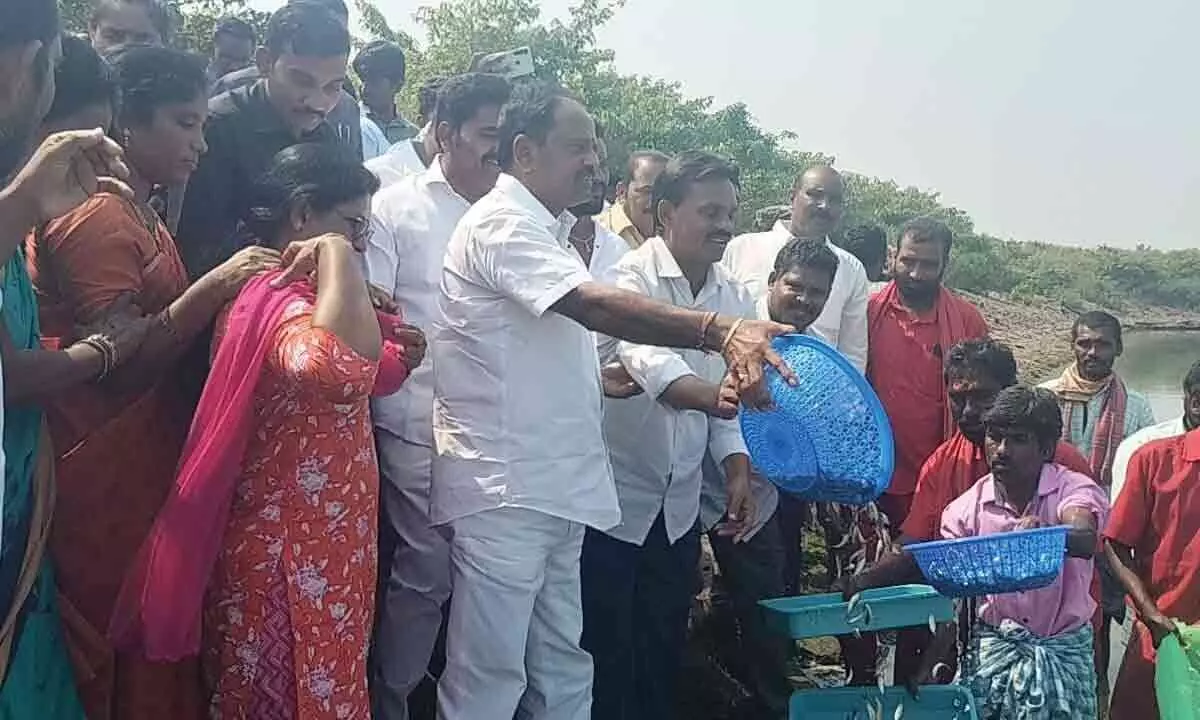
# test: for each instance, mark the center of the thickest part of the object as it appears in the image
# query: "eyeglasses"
(360, 229)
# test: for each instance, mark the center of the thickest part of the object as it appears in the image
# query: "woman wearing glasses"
(275, 507)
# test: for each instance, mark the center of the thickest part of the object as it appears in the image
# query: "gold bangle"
(729, 335)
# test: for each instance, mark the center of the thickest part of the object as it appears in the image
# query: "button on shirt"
(413, 221)
(1065, 605)
(656, 450)
(517, 398)
(1135, 442)
(843, 322)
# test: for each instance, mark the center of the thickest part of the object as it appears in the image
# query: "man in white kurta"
(413, 221)
(817, 202)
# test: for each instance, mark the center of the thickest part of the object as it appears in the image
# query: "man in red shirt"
(913, 321)
(976, 371)
(1153, 545)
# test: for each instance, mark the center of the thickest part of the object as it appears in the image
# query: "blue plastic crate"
(827, 438)
(993, 564)
(808, 616)
(933, 702)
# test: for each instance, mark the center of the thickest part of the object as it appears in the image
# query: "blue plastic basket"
(809, 616)
(933, 702)
(993, 564)
(827, 438)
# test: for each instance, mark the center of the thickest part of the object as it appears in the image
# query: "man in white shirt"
(598, 247)
(639, 577)
(1171, 428)
(754, 570)
(411, 157)
(520, 466)
(817, 202)
(413, 221)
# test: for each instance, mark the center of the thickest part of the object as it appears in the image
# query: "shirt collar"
(620, 221)
(1191, 446)
(781, 226)
(668, 267)
(1050, 481)
(520, 196)
(434, 175)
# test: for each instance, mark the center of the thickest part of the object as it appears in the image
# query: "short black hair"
(1191, 381)
(982, 355)
(308, 29)
(806, 253)
(322, 175)
(151, 76)
(530, 112)
(337, 7)
(380, 58)
(237, 28)
(26, 21)
(82, 79)
(427, 97)
(461, 96)
(1097, 320)
(927, 229)
(1030, 408)
(866, 242)
(637, 156)
(687, 169)
(161, 16)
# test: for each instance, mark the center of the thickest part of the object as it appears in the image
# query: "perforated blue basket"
(993, 564)
(828, 437)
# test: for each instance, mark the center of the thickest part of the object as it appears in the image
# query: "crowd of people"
(306, 402)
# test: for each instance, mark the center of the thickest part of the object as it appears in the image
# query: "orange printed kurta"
(289, 611)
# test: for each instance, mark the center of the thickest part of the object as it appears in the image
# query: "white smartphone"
(512, 64)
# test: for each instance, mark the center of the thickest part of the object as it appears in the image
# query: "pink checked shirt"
(1067, 604)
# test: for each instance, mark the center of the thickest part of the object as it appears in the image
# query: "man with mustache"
(520, 467)
(631, 216)
(302, 65)
(1099, 411)
(818, 198)
(599, 247)
(413, 220)
(753, 566)
(914, 321)
(638, 576)
(1153, 542)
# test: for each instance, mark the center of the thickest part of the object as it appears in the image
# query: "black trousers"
(636, 602)
(749, 572)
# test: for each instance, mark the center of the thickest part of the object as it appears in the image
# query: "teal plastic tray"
(808, 616)
(943, 702)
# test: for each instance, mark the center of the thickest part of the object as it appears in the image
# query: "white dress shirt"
(412, 222)
(1133, 443)
(400, 161)
(656, 450)
(843, 322)
(607, 250)
(517, 397)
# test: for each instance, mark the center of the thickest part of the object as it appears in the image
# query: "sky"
(1066, 121)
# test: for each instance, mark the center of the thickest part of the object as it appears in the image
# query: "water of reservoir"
(1154, 364)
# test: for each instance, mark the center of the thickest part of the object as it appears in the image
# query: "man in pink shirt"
(1031, 653)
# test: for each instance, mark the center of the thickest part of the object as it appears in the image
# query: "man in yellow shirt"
(630, 216)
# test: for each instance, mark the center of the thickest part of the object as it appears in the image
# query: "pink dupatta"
(159, 607)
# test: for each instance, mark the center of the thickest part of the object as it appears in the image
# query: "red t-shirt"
(950, 471)
(905, 358)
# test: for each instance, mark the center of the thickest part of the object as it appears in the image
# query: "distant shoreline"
(1039, 331)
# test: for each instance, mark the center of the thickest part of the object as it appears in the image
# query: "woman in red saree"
(274, 509)
(118, 441)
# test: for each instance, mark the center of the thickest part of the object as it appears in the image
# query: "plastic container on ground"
(827, 438)
(933, 702)
(993, 564)
(809, 616)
